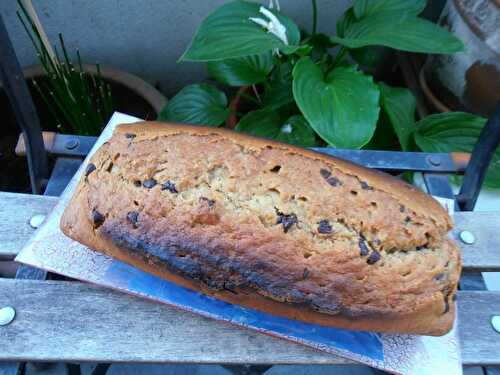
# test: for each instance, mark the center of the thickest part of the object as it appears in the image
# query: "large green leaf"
(197, 104)
(364, 8)
(397, 30)
(228, 33)
(268, 123)
(242, 71)
(455, 131)
(342, 108)
(344, 22)
(278, 94)
(399, 104)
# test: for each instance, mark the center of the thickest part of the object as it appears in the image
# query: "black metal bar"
(247, 369)
(481, 157)
(438, 185)
(397, 160)
(73, 369)
(72, 145)
(79, 146)
(63, 172)
(101, 369)
(20, 99)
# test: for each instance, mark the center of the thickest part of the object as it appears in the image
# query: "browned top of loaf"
(291, 224)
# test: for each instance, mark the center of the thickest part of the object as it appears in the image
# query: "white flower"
(273, 26)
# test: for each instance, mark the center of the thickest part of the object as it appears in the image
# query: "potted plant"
(288, 85)
(469, 80)
(74, 98)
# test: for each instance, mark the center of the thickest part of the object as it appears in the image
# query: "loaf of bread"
(269, 226)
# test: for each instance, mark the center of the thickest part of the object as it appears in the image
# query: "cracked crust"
(270, 226)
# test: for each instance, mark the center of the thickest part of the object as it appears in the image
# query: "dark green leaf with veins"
(455, 132)
(342, 107)
(271, 124)
(366, 8)
(242, 71)
(228, 33)
(197, 104)
(278, 94)
(399, 30)
(399, 104)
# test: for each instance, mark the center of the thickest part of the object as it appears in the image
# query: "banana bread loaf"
(269, 226)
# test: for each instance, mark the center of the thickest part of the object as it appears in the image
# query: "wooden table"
(74, 321)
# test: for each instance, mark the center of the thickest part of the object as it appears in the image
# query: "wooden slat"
(71, 321)
(16, 211)
(479, 342)
(483, 255)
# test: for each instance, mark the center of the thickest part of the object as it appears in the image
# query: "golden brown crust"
(270, 226)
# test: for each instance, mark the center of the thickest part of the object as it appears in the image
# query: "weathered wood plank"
(484, 255)
(479, 342)
(16, 211)
(71, 321)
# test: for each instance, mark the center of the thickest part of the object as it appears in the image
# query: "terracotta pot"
(467, 80)
(131, 94)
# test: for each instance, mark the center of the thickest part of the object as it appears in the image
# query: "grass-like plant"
(81, 103)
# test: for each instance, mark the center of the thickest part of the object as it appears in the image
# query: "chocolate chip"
(325, 173)
(363, 248)
(407, 219)
(324, 227)
(373, 258)
(137, 183)
(401, 208)
(149, 183)
(365, 186)
(210, 202)
(439, 277)
(334, 181)
(305, 274)
(287, 220)
(97, 218)
(130, 135)
(275, 169)
(170, 186)
(110, 167)
(133, 217)
(90, 168)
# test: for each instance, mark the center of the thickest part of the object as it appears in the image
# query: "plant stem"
(315, 16)
(256, 93)
(340, 55)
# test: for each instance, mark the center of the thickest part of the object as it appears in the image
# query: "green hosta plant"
(292, 88)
